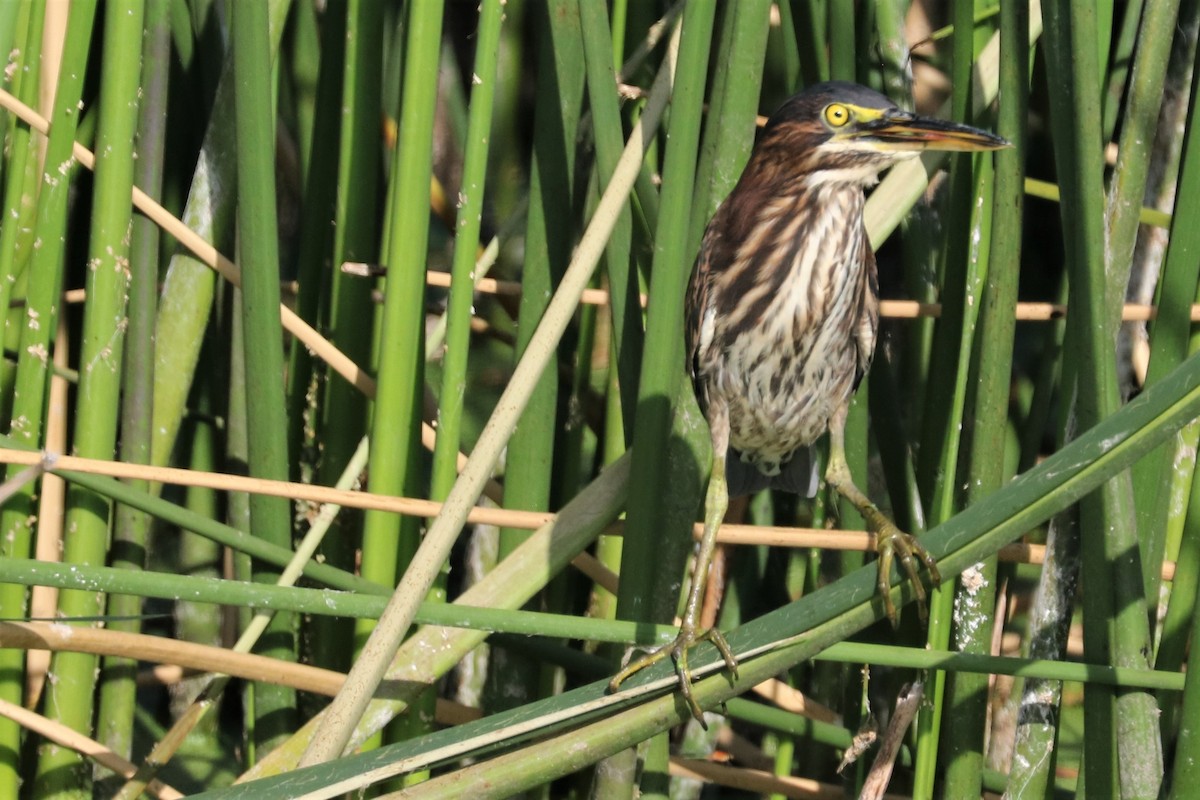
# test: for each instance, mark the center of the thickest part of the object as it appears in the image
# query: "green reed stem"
(459, 310)
(394, 434)
(189, 285)
(644, 594)
(70, 697)
(20, 187)
(346, 412)
(649, 574)
(1127, 187)
(843, 48)
(1172, 333)
(620, 264)
(467, 237)
(1182, 621)
(314, 273)
(988, 464)
(966, 268)
(1123, 752)
(270, 517)
(553, 194)
(131, 527)
(554, 197)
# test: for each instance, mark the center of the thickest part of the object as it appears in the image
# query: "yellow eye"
(837, 115)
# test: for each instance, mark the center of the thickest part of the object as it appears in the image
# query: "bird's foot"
(892, 543)
(688, 638)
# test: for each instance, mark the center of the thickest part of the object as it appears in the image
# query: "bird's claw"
(678, 651)
(892, 542)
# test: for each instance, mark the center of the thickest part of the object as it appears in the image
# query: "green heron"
(782, 312)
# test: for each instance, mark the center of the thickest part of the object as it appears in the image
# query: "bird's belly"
(781, 398)
(788, 363)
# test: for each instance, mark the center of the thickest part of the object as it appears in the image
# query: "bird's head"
(843, 132)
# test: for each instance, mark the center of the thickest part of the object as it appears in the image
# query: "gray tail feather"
(797, 475)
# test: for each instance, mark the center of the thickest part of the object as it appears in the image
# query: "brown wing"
(868, 315)
(701, 295)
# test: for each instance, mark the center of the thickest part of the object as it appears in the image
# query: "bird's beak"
(904, 131)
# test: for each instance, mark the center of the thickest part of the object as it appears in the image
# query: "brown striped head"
(838, 132)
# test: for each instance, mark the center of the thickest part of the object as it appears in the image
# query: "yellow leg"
(891, 540)
(715, 503)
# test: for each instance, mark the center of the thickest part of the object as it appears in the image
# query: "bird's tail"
(797, 475)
